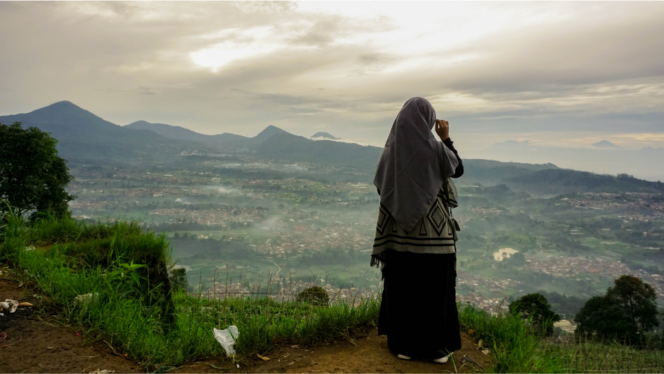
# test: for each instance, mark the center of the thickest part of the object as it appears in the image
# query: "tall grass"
(608, 357)
(514, 346)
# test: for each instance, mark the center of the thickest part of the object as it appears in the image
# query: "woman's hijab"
(413, 165)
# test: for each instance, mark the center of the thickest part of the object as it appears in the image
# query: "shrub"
(536, 307)
(314, 295)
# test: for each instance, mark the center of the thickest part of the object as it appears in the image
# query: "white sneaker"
(404, 357)
(442, 360)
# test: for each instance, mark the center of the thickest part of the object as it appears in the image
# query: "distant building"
(566, 326)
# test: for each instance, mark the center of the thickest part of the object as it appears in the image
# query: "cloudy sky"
(549, 73)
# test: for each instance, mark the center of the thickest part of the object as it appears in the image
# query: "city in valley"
(241, 223)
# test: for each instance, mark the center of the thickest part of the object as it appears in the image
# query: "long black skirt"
(418, 311)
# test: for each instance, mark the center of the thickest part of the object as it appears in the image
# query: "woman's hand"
(443, 129)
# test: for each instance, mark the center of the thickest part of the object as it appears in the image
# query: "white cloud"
(495, 70)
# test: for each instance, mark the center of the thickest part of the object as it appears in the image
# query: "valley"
(244, 218)
(278, 212)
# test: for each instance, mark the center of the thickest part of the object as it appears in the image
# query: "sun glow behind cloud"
(240, 44)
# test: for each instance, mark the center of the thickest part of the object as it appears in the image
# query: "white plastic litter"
(30, 248)
(227, 338)
(10, 305)
(84, 299)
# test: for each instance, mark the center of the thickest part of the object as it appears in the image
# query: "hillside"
(168, 131)
(180, 133)
(288, 147)
(557, 181)
(495, 172)
(84, 136)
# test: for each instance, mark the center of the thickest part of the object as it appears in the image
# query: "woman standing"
(416, 235)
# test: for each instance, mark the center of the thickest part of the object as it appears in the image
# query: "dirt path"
(37, 342)
(369, 354)
(41, 342)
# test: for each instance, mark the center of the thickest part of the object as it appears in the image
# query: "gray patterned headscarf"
(413, 164)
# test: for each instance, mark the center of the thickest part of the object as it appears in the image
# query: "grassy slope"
(73, 259)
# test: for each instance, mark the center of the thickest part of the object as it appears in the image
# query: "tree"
(178, 279)
(314, 295)
(627, 312)
(32, 175)
(637, 299)
(604, 319)
(517, 259)
(536, 307)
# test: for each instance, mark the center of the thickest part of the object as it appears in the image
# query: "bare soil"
(38, 339)
(368, 354)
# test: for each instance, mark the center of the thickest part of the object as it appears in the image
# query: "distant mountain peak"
(139, 122)
(325, 135)
(605, 144)
(145, 125)
(62, 105)
(64, 110)
(268, 132)
(63, 102)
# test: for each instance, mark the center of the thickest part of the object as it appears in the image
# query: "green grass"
(596, 357)
(513, 346)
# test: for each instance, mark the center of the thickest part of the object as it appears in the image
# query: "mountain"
(84, 136)
(294, 148)
(532, 178)
(289, 147)
(558, 181)
(177, 132)
(229, 139)
(225, 139)
(605, 144)
(325, 135)
(495, 172)
(268, 133)
(169, 131)
(642, 163)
